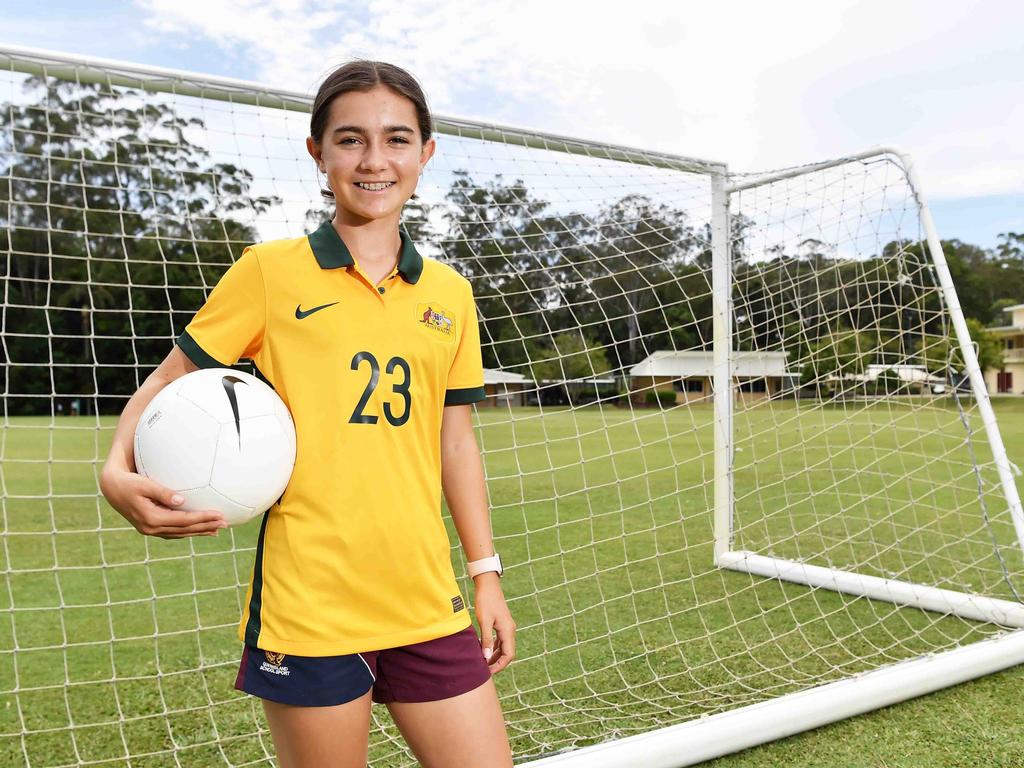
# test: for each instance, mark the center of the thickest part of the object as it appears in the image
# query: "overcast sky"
(755, 84)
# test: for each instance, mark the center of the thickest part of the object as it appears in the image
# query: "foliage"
(114, 217)
(569, 355)
(117, 223)
(662, 397)
(889, 382)
(944, 354)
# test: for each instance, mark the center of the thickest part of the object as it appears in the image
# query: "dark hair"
(363, 75)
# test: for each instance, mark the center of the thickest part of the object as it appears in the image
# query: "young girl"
(376, 352)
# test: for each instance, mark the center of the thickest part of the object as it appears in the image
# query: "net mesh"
(855, 445)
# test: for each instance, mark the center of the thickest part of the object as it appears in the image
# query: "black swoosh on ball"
(229, 387)
(300, 314)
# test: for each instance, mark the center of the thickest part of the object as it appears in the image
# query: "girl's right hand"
(152, 509)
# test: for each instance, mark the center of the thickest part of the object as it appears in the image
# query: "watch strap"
(484, 565)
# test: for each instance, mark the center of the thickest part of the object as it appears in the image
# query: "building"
(1010, 378)
(758, 375)
(913, 379)
(504, 388)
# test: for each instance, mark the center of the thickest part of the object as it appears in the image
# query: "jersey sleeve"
(466, 374)
(232, 322)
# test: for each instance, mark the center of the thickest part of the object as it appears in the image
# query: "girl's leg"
(465, 731)
(320, 737)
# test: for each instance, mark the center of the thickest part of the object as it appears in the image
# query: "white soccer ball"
(222, 439)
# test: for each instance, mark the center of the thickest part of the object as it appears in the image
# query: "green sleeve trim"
(464, 396)
(197, 354)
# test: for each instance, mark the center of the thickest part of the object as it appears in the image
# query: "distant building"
(1010, 378)
(505, 388)
(912, 378)
(758, 375)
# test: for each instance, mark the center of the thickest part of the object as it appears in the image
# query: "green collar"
(332, 253)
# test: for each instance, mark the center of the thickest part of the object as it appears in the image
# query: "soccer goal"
(743, 469)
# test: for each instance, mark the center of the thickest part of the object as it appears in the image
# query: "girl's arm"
(144, 503)
(462, 478)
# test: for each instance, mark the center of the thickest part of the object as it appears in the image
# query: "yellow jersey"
(354, 556)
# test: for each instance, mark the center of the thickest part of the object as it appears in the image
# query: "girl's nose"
(373, 158)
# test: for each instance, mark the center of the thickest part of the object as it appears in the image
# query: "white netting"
(119, 209)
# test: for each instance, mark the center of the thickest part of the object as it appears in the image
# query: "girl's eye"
(349, 139)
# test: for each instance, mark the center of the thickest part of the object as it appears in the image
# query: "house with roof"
(505, 388)
(690, 373)
(1009, 379)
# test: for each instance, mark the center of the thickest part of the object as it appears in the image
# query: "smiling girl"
(376, 351)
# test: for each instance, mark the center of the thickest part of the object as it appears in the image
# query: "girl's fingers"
(159, 521)
(501, 661)
(507, 635)
(196, 529)
(506, 631)
(486, 638)
(495, 654)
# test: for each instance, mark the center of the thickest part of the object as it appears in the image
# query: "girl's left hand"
(494, 618)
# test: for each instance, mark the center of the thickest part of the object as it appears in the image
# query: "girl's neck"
(370, 241)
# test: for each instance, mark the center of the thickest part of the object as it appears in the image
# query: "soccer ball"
(222, 439)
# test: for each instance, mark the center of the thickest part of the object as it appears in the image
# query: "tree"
(117, 221)
(640, 262)
(945, 353)
(837, 358)
(1012, 246)
(570, 358)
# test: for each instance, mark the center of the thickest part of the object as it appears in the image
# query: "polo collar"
(332, 253)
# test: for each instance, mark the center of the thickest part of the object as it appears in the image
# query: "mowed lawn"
(113, 644)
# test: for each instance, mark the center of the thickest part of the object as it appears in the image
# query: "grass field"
(113, 644)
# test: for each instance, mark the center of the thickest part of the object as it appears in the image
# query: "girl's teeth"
(374, 187)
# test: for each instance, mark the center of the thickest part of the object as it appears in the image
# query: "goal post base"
(706, 738)
(974, 607)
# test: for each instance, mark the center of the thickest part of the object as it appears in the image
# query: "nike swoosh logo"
(229, 387)
(300, 313)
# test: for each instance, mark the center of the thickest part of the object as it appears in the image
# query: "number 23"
(402, 388)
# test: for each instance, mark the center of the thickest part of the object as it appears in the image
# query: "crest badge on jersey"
(437, 319)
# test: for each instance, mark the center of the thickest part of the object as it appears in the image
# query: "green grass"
(113, 644)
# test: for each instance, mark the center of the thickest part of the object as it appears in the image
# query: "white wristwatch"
(484, 565)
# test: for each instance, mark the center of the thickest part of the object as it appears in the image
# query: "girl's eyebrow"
(387, 129)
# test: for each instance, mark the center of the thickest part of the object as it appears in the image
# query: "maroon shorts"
(427, 671)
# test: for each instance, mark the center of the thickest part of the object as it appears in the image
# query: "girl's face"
(372, 153)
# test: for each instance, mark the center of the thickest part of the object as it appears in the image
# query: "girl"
(376, 352)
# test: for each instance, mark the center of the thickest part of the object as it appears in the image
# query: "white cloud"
(751, 83)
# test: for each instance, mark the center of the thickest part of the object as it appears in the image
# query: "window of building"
(754, 385)
(692, 386)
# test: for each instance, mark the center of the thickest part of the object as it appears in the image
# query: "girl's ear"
(428, 152)
(314, 152)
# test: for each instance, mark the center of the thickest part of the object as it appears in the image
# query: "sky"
(756, 85)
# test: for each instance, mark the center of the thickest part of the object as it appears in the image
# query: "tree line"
(114, 223)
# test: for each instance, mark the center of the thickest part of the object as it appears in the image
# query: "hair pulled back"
(364, 75)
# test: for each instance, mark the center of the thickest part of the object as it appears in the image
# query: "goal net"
(737, 447)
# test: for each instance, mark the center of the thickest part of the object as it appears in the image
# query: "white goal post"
(696, 741)
(742, 465)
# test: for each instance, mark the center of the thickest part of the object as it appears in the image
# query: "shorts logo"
(273, 664)
(437, 319)
(457, 604)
